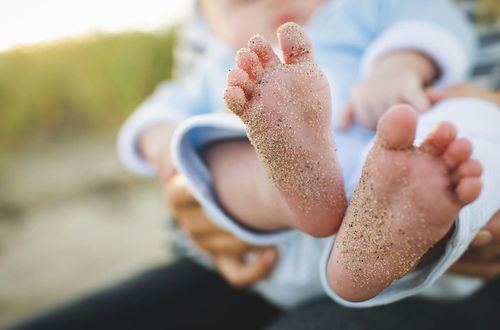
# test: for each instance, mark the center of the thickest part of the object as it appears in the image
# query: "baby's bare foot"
(287, 110)
(406, 201)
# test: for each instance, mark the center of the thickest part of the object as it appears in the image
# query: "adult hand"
(482, 259)
(465, 90)
(240, 263)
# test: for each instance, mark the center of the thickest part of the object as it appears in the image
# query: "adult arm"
(464, 90)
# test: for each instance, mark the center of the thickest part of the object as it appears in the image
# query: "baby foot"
(286, 108)
(406, 201)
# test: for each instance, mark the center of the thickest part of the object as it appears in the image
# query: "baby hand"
(398, 78)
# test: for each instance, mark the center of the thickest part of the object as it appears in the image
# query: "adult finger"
(465, 90)
(490, 233)
(436, 95)
(240, 273)
(485, 270)
(206, 235)
(493, 226)
(223, 244)
(177, 193)
(192, 218)
(483, 238)
(489, 253)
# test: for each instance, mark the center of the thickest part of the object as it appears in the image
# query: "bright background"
(71, 218)
(33, 21)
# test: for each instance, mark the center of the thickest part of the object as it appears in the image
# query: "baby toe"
(248, 61)
(238, 77)
(235, 99)
(439, 139)
(469, 168)
(457, 152)
(468, 189)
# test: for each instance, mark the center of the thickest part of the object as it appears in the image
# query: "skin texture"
(481, 260)
(247, 18)
(154, 144)
(393, 218)
(437, 95)
(286, 108)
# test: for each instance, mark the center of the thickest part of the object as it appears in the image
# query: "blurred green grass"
(80, 85)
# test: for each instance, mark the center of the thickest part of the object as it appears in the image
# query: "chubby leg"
(406, 201)
(286, 108)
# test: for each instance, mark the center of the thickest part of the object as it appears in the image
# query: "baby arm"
(398, 77)
(432, 31)
(154, 145)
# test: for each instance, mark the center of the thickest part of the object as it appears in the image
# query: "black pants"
(481, 312)
(185, 295)
(182, 295)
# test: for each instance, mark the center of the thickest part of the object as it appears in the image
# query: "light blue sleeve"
(442, 13)
(181, 98)
(172, 101)
(435, 27)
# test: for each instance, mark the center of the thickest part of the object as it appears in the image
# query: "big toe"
(396, 129)
(295, 45)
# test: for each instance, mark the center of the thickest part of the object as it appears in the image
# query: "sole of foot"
(406, 201)
(286, 108)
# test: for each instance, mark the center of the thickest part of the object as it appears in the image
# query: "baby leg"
(286, 108)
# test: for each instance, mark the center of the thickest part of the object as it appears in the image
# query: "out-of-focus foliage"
(489, 10)
(86, 84)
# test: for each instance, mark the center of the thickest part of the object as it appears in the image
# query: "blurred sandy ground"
(73, 220)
